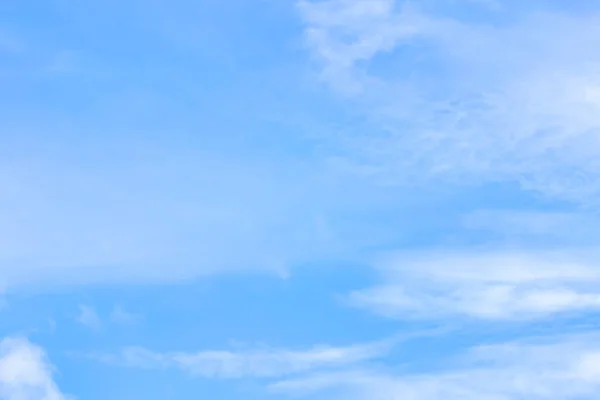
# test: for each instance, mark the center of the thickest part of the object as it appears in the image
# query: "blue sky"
(313, 199)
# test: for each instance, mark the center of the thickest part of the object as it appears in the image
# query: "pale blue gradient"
(367, 200)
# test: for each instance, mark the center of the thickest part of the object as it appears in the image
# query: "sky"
(303, 199)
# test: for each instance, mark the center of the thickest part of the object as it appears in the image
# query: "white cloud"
(484, 285)
(549, 368)
(257, 363)
(511, 97)
(89, 318)
(25, 373)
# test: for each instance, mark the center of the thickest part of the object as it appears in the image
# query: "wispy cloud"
(89, 318)
(25, 372)
(343, 33)
(256, 363)
(549, 368)
(487, 285)
(514, 96)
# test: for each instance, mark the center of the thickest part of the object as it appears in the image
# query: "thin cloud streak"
(485, 285)
(256, 363)
(548, 368)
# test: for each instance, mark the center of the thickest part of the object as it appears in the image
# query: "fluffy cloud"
(515, 96)
(484, 285)
(25, 373)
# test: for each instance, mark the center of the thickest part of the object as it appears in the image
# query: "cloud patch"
(483, 285)
(514, 96)
(89, 318)
(25, 372)
(548, 368)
